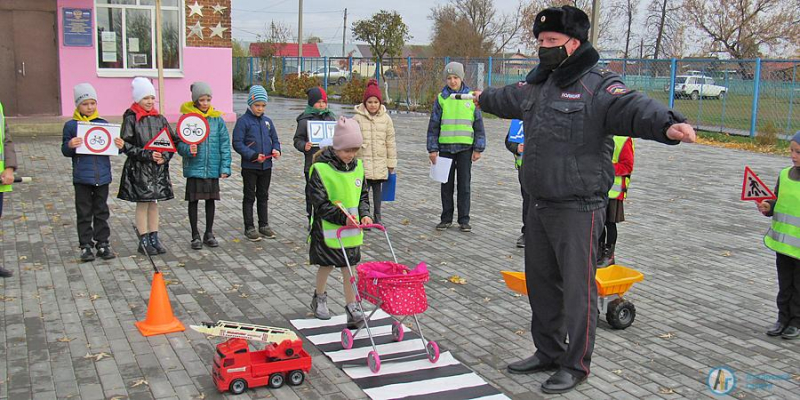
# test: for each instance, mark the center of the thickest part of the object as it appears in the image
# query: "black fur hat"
(568, 20)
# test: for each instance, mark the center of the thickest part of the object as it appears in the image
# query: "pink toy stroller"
(394, 288)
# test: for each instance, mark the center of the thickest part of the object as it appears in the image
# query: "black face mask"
(551, 58)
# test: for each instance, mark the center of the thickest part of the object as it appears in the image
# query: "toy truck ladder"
(230, 329)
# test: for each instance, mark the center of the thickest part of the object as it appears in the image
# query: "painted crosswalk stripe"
(429, 386)
(383, 349)
(338, 328)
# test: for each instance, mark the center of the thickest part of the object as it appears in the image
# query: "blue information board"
(515, 132)
(77, 26)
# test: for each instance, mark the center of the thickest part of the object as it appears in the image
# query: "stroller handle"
(363, 226)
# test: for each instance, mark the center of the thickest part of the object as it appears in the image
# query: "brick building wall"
(210, 19)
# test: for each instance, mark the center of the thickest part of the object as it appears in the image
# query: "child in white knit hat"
(336, 176)
(145, 175)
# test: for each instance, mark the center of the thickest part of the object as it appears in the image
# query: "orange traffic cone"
(159, 319)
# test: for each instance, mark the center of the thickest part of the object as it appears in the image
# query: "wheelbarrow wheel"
(621, 314)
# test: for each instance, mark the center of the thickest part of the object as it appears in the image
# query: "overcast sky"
(325, 18)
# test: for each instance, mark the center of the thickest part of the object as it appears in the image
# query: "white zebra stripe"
(325, 338)
(335, 320)
(425, 387)
(383, 350)
(445, 359)
(493, 397)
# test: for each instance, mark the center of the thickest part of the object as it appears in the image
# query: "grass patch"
(780, 147)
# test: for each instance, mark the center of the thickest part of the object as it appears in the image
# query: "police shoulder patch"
(617, 89)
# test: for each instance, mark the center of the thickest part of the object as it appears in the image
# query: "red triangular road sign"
(162, 142)
(753, 188)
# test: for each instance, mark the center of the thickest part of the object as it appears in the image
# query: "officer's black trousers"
(560, 266)
(461, 174)
(525, 199)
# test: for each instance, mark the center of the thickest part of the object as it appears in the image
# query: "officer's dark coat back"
(570, 116)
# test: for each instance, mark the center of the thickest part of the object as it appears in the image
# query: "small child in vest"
(456, 131)
(316, 110)
(91, 176)
(782, 237)
(8, 164)
(615, 212)
(379, 152)
(205, 163)
(337, 176)
(517, 149)
(145, 176)
(256, 140)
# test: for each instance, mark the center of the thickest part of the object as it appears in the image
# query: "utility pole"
(300, 39)
(344, 33)
(595, 21)
(160, 59)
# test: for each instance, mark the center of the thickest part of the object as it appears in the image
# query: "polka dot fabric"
(402, 290)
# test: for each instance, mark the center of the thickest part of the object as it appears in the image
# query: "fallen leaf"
(201, 292)
(6, 298)
(98, 356)
(291, 264)
(201, 396)
(665, 390)
(617, 371)
(668, 335)
(244, 295)
(517, 294)
(726, 254)
(23, 257)
(236, 240)
(519, 332)
(457, 280)
(65, 339)
(486, 299)
(234, 287)
(171, 282)
(405, 221)
(94, 297)
(140, 382)
(181, 265)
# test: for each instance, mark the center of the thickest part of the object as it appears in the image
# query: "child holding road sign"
(256, 140)
(91, 176)
(204, 163)
(784, 238)
(149, 144)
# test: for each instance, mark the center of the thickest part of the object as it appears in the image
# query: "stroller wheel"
(374, 362)
(347, 339)
(433, 351)
(397, 331)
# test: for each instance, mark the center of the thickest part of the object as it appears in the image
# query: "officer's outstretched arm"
(506, 102)
(631, 113)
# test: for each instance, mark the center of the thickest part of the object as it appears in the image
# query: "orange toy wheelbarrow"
(612, 282)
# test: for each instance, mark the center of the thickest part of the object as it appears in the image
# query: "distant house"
(284, 49)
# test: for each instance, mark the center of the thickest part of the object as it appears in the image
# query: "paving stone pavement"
(708, 293)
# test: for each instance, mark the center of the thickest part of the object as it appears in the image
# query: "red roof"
(286, 49)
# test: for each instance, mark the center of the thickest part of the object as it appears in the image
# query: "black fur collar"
(580, 62)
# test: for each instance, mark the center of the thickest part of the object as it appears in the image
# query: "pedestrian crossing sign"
(515, 132)
(161, 142)
(754, 189)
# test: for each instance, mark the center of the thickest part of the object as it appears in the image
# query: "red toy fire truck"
(237, 368)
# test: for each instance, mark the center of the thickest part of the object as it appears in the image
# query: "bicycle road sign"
(97, 139)
(193, 128)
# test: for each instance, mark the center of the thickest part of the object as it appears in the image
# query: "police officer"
(571, 109)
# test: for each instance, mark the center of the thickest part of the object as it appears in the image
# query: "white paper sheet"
(440, 171)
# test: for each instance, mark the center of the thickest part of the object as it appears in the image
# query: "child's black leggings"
(609, 234)
(210, 207)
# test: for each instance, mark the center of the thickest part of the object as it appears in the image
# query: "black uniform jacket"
(570, 116)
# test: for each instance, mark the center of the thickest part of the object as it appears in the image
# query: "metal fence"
(741, 97)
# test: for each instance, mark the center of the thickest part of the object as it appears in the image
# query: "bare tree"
(628, 9)
(476, 21)
(663, 22)
(747, 28)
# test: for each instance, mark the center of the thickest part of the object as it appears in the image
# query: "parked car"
(335, 75)
(695, 87)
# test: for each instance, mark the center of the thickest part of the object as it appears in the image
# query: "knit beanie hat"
(142, 87)
(796, 137)
(454, 68)
(200, 89)
(257, 93)
(347, 134)
(82, 92)
(372, 91)
(316, 94)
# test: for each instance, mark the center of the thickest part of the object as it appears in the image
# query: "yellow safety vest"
(344, 187)
(457, 119)
(784, 234)
(620, 188)
(3, 188)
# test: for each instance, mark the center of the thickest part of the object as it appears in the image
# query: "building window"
(126, 34)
